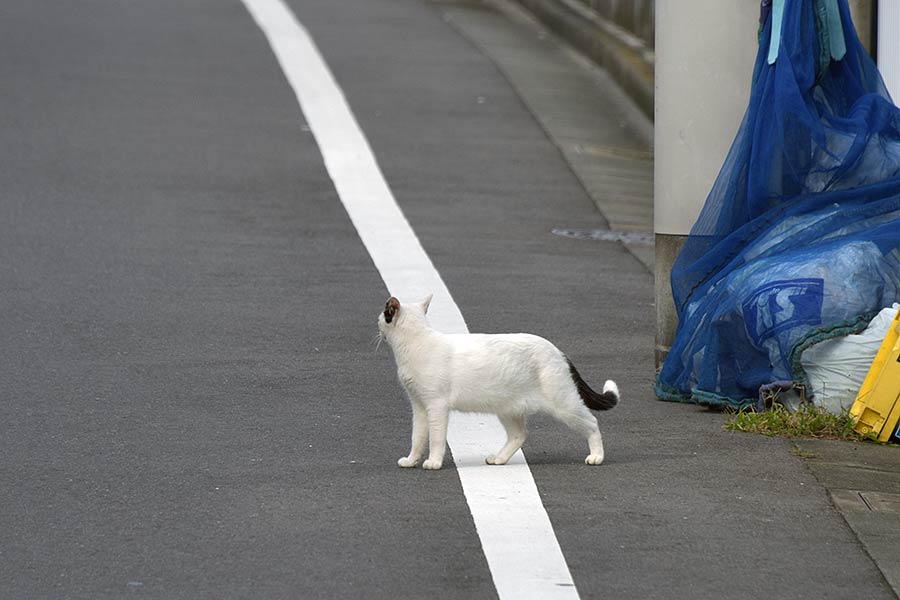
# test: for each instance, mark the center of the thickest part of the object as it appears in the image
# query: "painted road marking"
(521, 548)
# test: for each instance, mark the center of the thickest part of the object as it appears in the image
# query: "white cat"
(511, 375)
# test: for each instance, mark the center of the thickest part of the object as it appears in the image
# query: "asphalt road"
(191, 401)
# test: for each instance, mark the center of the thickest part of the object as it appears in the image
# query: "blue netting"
(799, 238)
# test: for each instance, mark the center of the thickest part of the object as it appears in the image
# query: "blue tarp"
(799, 239)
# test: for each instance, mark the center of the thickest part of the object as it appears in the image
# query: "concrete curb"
(624, 56)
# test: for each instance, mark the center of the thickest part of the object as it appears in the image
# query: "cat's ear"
(426, 303)
(391, 308)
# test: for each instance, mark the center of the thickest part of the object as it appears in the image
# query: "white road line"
(518, 540)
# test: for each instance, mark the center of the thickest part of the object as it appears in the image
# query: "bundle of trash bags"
(799, 239)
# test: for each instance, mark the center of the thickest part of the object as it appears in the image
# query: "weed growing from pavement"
(802, 452)
(809, 421)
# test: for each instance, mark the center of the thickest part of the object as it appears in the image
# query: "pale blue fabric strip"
(775, 39)
(835, 30)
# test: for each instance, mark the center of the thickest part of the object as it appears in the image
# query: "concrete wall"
(635, 16)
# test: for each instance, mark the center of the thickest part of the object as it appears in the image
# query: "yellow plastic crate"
(877, 408)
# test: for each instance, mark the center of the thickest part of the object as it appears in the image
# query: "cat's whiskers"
(377, 341)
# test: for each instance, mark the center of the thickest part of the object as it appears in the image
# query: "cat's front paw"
(593, 459)
(406, 462)
(432, 465)
(493, 460)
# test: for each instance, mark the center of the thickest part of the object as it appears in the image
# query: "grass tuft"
(809, 421)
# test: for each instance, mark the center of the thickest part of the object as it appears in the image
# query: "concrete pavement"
(601, 133)
(863, 480)
(192, 404)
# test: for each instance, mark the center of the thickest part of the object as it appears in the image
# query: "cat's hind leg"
(595, 443)
(515, 437)
(582, 421)
(419, 436)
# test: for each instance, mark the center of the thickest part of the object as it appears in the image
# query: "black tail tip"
(594, 401)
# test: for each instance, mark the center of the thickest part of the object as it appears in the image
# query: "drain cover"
(606, 235)
(856, 501)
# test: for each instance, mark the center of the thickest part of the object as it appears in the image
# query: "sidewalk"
(609, 150)
(616, 166)
(863, 481)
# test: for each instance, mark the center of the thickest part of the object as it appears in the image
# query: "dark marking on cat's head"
(391, 308)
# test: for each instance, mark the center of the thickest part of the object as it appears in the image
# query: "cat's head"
(396, 316)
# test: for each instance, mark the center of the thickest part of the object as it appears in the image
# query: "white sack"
(836, 368)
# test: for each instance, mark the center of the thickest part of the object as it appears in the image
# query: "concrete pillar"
(705, 50)
(889, 45)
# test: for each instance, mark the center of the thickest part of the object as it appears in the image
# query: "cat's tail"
(594, 401)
